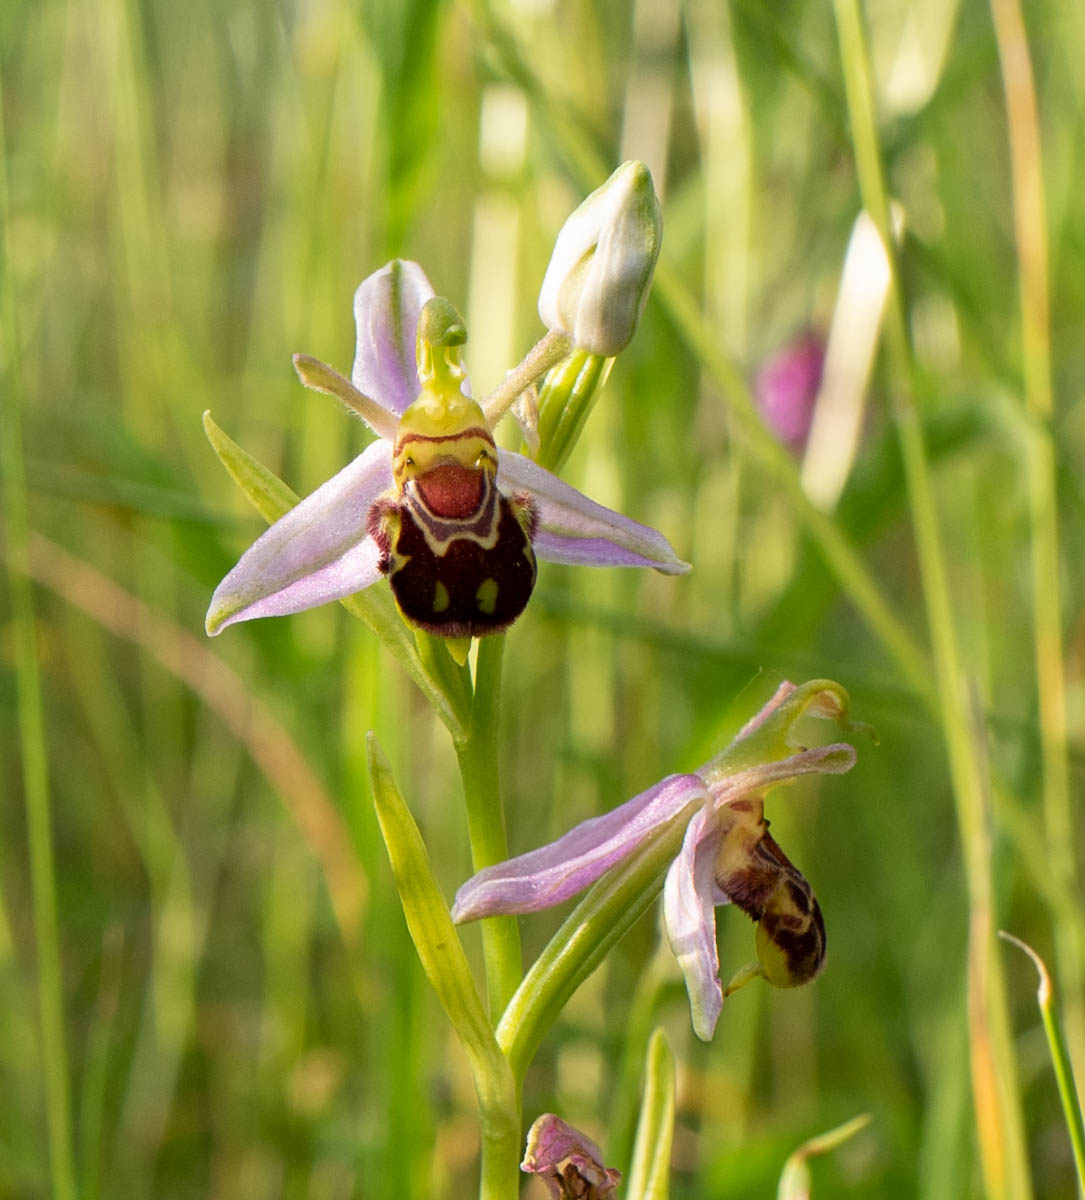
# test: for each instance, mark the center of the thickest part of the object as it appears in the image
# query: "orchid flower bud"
(597, 281)
(568, 1161)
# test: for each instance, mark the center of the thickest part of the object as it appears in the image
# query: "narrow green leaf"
(375, 607)
(435, 937)
(263, 489)
(445, 963)
(649, 1178)
(1060, 1057)
(795, 1177)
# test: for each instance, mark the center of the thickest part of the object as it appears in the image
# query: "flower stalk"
(478, 760)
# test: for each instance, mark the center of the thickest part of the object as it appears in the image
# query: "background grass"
(193, 192)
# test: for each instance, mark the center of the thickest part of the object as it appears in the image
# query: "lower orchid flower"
(727, 854)
(453, 522)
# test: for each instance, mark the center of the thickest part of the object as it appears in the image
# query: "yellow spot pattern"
(486, 596)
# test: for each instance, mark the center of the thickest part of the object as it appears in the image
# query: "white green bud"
(599, 274)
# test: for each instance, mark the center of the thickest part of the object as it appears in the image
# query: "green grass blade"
(995, 1092)
(1060, 1057)
(445, 963)
(795, 1182)
(1031, 243)
(35, 770)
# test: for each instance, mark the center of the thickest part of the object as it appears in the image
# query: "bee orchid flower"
(453, 522)
(727, 854)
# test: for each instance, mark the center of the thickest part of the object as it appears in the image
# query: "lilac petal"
(785, 690)
(553, 873)
(318, 551)
(837, 758)
(574, 529)
(690, 897)
(386, 308)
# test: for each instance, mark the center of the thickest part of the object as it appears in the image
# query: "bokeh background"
(192, 194)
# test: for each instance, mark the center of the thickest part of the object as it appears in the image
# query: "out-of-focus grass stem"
(1030, 231)
(39, 824)
(996, 1098)
(851, 573)
(638, 1029)
(229, 696)
(855, 580)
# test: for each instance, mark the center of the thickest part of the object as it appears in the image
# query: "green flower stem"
(1060, 1058)
(477, 753)
(1030, 221)
(446, 966)
(39, 823)
(997, 1103)
(649, 1178)
(546, 353)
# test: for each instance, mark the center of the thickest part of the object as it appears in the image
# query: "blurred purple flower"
(787, 388)
(727, 855)
(570, 1163)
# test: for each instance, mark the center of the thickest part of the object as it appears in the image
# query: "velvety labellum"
(753, 871)
(457, 552)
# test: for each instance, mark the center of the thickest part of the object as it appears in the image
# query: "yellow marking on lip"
(486, 596)
(417, 454)
(440, 597)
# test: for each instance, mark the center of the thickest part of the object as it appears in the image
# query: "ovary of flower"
(453, 522)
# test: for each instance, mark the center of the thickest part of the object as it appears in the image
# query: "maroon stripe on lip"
(474, 431)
